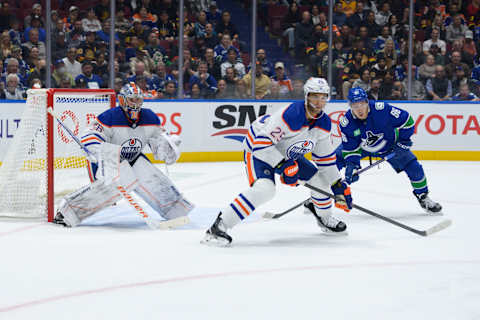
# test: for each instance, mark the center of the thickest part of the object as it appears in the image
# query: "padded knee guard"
(262, 191)
(158, 190)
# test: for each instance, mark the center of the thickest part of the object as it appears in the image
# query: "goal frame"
(51, 142)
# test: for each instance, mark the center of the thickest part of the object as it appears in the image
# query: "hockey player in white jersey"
(277, 143)
(117, 138)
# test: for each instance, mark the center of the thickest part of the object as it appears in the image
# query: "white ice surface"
(114, 267)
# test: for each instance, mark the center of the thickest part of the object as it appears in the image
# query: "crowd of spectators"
(370, 47)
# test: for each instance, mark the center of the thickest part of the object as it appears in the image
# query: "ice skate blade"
(330, 233)
(430, 213)
(212, 241)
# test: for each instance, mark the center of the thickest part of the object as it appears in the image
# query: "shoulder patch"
(294, 116)
(379, 105)
(344, 121)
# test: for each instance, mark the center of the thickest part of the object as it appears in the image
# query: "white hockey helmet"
(130, 99)
(316, 85)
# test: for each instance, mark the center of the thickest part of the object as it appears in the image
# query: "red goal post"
(43, 163)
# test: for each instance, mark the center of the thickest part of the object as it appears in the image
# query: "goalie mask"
(130, 99)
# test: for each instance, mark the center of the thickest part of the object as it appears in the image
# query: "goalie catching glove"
(342, 195)
(165, 147)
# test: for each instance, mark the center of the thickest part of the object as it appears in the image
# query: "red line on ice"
(226, 274)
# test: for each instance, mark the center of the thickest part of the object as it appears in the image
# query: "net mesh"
(23, 174)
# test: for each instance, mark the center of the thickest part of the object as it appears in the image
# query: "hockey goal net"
(43, 163)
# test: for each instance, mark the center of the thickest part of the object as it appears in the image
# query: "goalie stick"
(436, 228)
(271, 215)
(152, 223)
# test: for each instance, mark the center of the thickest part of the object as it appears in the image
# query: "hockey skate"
(328, 224)
(217, 234)
(59, 219)
(428, 204)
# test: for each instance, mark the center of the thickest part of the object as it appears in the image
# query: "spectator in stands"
(142, 56)
(382, 16)
(5, 16)
(117, 85)
(32, 57)
(138, 30)
(222, 48)
(266, 64)
(456, 30)
(381, 39)
(35, 24)
(148, 92)
(450, 68)
(364, 80)
(386, 87)
(469, 48)
(372, 27)
(262, 82)
(348, 7)
(90, 23)
(72, 66)
(380, 68)
(104, 34)
(366, 41)
(12, 67)
(100, 66)
(200, 25)
(205, 81)
(241, 91)
(72, 17)
(398, 91)
(473, 8)
(427, 70)
(170, 90)
(122, 25)
(222, 90)
(13, 90)
(315, 13)
(232, 62)
(435, 40)
(437, 23)
(280, 79)
(60, 73)
(211, 39)
(5, 45)
(303, 34)
(195, 92)
(439, 88)
(418, 87)
(230, 77)
(76, 36)
(358, 16)
(226, 26)
(102, 10)
(88, 48)
(139, 69)
(36, 13)
(91, 80)
(34, 42)
(14, 32)
(390, 53)
(339, 18)
(464, 94)
(161, 77)
(352, 72)
(212, 63)
(60, 46)
(459, 79)
(38, 72)
(289, 23)
(22, 64)
(148, 19)
(274, 92)
(214, 16)
(374, 91)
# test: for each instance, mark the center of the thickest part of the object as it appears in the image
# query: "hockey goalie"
(117, 165)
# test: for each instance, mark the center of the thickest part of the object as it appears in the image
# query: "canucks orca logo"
(373, 142)
(299, 149)
(131, 149)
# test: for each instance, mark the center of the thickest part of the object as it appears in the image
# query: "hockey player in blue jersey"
(375, 128)
(276, 144)
(116, 139)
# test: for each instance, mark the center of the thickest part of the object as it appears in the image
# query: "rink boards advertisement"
(214, 130)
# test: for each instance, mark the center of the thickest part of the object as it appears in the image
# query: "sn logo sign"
(231, 116)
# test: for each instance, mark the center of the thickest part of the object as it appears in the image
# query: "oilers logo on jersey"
(299, 149)
(131, 149)
(373, 142)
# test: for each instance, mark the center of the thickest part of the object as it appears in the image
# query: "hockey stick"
(152, 223)
(271, 215)
(438, 227)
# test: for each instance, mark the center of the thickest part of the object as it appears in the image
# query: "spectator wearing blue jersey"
(199, 28)
(92, 81)
(206, 82)
(161, 77)
(464, 94)
(214, 16)
(221, 50)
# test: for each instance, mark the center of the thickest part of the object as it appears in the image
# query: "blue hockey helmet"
(130, 99)
(357, 95)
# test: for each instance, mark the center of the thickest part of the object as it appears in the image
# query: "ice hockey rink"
(114, 267)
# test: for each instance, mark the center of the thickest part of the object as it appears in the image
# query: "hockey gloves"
(342, 196)
(289, 173)
(402, 146)
(350, 177)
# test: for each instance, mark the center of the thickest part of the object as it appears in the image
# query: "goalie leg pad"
(100, 194)
(262, 191)
(158, 190)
